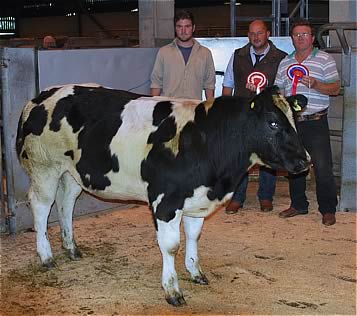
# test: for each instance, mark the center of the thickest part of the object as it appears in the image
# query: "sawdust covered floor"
(256, 262)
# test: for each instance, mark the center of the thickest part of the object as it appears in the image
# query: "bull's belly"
(200, 206)
(128, 191)
(122, 187)
(123, 193)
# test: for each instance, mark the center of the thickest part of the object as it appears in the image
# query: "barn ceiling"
(33, 8)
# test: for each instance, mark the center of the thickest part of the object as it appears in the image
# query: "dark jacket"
(243, 67)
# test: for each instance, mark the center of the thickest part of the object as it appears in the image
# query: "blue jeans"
(267, 182)
(315, 136)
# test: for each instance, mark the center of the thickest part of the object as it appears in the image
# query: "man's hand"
(332, 88)
(155, 91)
(309, 82)
(251, 86)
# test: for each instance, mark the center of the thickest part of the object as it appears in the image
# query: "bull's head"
(279, 145)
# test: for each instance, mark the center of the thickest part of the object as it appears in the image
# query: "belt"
(311, 117)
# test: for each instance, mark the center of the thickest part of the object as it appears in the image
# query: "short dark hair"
(302, 22)
(184, 15)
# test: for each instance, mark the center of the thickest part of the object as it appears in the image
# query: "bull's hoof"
(49, 264)
(176, 301)
(200, 279)
(74, 254)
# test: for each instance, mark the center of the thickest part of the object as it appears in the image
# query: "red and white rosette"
(295, 73)
(258, 79)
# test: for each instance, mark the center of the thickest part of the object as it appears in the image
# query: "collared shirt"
(228, 80)
(321, 66)
(180, 80)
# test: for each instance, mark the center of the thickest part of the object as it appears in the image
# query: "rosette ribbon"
(295, 73)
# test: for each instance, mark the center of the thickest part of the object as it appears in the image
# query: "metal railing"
(344, 48)
(339, 28)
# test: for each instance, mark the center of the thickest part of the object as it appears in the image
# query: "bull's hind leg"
(41, 196)
(67, 193)
(193, 227)
(168, 236)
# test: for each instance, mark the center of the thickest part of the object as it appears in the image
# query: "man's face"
(258, 35)
(302, 37)
(184, 30)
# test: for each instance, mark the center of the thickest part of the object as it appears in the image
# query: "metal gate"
(347, 53)
(24, 72)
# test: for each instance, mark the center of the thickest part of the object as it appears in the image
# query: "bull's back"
(96, 134)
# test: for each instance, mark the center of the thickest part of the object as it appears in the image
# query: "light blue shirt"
(228, 80)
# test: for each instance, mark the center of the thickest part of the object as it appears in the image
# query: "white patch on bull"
(284, 106)
(199, 205)
(87, 177)
(130, 145)
(52, 157)
(208, 104)
(87, 84)
(168, 237)
(183, 111)
(48, 103)
(27, 110)
(254, 160)
(157, 201)
(193, 227)
(179, 100)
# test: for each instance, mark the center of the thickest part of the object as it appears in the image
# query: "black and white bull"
(184, 158)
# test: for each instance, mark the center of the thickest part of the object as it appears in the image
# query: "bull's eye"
(273, 125)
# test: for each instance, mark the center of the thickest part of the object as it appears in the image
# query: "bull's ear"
(297, 102)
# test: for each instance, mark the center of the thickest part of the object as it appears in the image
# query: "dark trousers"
(315, 137)
(267, 182)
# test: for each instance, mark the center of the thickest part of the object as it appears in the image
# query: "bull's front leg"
(193, 227)
(168, 236)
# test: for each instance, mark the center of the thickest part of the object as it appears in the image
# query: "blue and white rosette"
(295, 73)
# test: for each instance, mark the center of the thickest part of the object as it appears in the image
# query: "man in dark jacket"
(250, 69)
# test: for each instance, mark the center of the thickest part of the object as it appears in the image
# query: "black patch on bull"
(34, 124)
(215, 149)
(19, 137)
(89, 104)
(44, 95)
(36, 121)
(96, 158)
(69, 153)
(97, 113)
(166, 123)
(115, 163)
(24, 155)
(165, 132)
(178, 176)
(161, 111)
